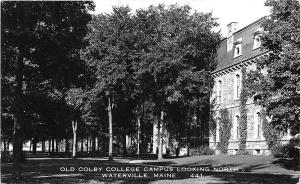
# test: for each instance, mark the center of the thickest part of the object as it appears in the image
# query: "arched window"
(218, 130)
(259, 125)
(219, 91)
(257, 41)
(237, 51)
(238, 85)
(238, 48)
(237, 122)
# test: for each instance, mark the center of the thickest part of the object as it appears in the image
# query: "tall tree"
(276, 82)
(79, 109)
(39, 42)
(111, 41)
(177, 54)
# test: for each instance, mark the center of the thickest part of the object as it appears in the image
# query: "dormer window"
(238, 48)
(257, 38)
(257, 41)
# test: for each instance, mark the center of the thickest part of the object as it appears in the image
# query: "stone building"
(240, 47)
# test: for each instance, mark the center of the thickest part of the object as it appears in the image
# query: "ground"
(215, 169)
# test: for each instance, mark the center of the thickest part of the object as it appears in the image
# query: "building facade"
(240, 48)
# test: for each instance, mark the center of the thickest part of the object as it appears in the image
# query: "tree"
(111, 40)
(162, 55)
(278, 89)
(76, 99)
(39, 45)
(177, 51)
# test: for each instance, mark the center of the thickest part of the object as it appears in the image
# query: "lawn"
(234, 169)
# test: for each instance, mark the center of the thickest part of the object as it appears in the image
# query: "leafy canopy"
(279, 88)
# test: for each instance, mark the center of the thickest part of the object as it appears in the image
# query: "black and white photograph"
(150, 91)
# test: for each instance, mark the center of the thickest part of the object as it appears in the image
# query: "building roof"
(225, 57)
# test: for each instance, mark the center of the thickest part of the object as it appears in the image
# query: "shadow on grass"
(290, 164)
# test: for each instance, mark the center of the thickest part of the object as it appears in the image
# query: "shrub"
(203, 150)
(243, 152)
(8, 157)
(285, 151)
(132, 149)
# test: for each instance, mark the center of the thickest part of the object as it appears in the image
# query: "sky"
(242, 11)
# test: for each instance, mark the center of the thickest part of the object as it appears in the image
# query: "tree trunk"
(74, 128)
(98, 145)
(125, 145)
(104, 139)
(138, 135)
(81, 145)
(110, 151)
(49, 145)
(43, 145)
(189, 131)
(67, 146)
(199, 122)
(18, 116)
(4, 146)
(52, 146)
(87, 144)
(160, 135)
(34, 142)
(93, 144)
(77, 145)
(56, 145)
(8, 145)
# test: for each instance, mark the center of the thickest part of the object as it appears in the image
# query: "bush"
(8, 157)
(203, 150)
(132, 149)
(285, 151)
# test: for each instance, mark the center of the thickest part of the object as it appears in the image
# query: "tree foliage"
(161, 54)
(225, 131)
(243, 120)
(40, 61)
(278, 88)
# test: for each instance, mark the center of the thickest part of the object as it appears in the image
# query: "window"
(238, 47)
(237, 86)
(257, 41)
(259, 125)
(237, 51)
(219, 91)
(218, 130)
(237, 122)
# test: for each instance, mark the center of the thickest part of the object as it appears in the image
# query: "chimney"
(232, 27)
